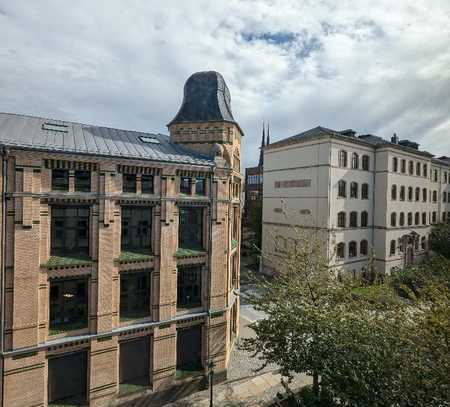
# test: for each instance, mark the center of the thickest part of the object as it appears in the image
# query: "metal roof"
(61, 136)
(206, 98)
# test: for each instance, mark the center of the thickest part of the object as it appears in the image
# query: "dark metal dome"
(206, 98)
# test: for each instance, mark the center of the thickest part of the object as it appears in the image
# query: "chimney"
(394, 139)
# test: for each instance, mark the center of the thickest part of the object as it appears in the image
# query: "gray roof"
(206, 98)
(349, 134)
(61, 136)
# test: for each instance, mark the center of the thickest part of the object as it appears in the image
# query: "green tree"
(362, 344)
(440, 239)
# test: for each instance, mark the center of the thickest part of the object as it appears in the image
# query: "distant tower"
(268, 135)
(261, 151)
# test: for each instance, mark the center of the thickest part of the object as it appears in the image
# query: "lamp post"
(211, 382)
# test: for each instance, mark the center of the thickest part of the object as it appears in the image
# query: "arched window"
(364, 219)
(424, 218)
(342, 158)
(365, 162)
(417, 194)
(444, 197)
(410, 193)
(400, 245)
(401, 220)
(410, 218)
(352, 250)
(340, 250)
(393, 219)
(353, 190)
(411, 168)
(434, 196)
(342, 189)
(418, 169)
(365, 191)
(355, 160)
(403, 166)
(417, 218)
(363, 248)
(395, 164)
(353, 219)
(394, 192)
(392, 248)
(402, 193)
(425, 170)
(424, 194)
(341, 220)
(423, 242)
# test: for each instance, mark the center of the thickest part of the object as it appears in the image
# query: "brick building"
(120, 253)
(254, 192)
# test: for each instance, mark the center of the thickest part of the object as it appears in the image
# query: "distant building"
(363, 191)
(254, 191)
(120, 254)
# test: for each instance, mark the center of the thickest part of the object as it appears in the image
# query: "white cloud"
(379, 69)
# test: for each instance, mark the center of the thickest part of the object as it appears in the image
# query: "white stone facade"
(386, 210)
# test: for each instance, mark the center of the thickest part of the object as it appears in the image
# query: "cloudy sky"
(375, 66)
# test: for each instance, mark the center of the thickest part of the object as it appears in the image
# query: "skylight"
(148, 139)
(55, 127)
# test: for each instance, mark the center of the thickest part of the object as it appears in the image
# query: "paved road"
(247, 310)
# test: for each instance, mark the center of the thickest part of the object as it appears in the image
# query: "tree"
(440, 239)
(356, 341)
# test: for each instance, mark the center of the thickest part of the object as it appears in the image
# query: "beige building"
(120, 254)
(364, 192)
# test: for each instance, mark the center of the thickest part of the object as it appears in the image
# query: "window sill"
(68, 330)
(185, 252)
(125, 321)
(184, 310)
(67, 261)
(129, 257)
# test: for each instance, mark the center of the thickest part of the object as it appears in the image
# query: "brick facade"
(29, 344)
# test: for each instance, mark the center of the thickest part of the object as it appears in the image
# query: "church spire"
(261, 153)
(268, 135)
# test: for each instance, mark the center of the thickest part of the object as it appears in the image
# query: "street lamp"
(211, 366)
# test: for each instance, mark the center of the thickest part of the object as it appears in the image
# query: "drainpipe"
(2, 279)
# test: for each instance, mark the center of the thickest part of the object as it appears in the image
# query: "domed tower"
(205, 119)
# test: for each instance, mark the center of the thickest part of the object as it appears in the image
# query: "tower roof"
(206, 98)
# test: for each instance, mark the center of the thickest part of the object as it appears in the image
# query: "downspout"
(3, 268)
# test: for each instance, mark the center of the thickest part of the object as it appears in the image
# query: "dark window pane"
(68, 304)
(189, 286)
(129, 183)
(60, 180)
(83, 181)
(200, 186)
(136, 229)
(147, 184)
(185, 185)
(69, 231)
(134, 365)
(134, 295)
(67, 379)
(189, 348)
(190, 230)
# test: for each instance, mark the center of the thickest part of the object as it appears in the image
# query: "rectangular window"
(147, 184)
(200, 186)
(185, 185)
(189, 287)
(67, 379)
(189, 349)
(136, 229)
(60, 180)
(134, 295)
(134, 364)
(69, 231)
(68, 305)
(129, 183)
(190, 231)
(83, 181)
